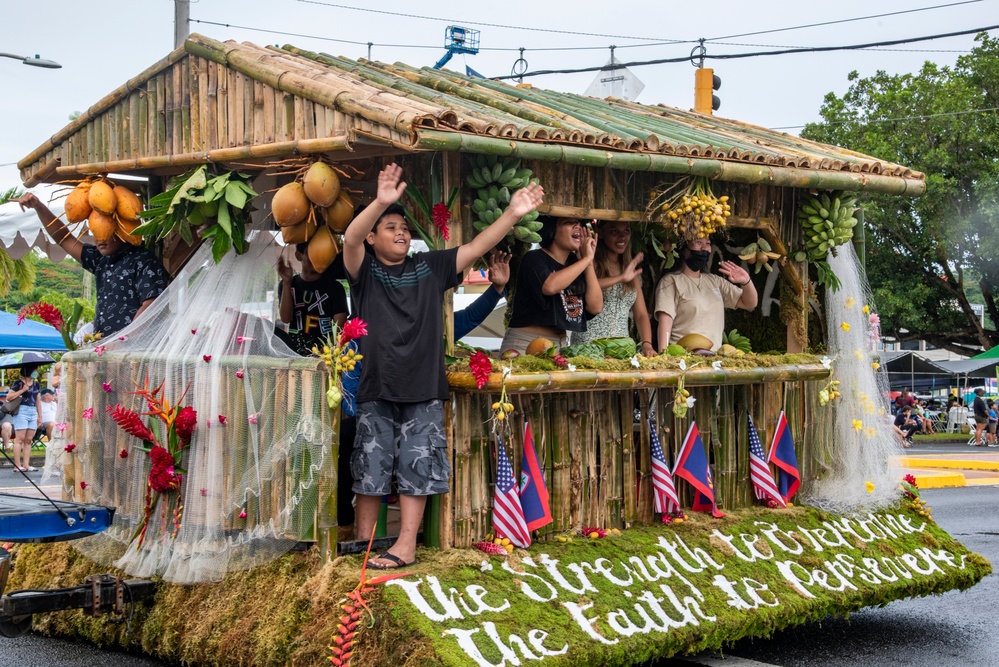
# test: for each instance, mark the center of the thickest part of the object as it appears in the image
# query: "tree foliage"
(928, 258)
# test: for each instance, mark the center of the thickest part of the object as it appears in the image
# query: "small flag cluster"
(517, 510)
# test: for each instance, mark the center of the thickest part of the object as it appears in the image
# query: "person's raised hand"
(28, 200)
(284, 270)
(588, 246)
(390, 185)
(499, 269)
(632, 270)
(526, 200)
(734, 273)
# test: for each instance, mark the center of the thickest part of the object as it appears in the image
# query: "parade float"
(234, 509)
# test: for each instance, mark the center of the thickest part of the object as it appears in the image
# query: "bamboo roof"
(212, 101)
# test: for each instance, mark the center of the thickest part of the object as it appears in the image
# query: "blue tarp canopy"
(29, 335)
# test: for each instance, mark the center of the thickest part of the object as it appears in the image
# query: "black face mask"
(697, 260)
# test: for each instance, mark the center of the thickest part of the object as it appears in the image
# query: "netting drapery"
(260, 475)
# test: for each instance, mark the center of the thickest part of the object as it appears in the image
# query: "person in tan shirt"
(692, 300)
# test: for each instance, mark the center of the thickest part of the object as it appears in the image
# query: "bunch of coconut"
(109, 209)
(311, 210)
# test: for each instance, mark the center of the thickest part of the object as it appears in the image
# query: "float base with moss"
(623, 599)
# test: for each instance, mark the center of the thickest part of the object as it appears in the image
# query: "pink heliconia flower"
(242, 515)
(239, 374)
(88, 413)
(99, 350)
(61, 426)
(222, 419)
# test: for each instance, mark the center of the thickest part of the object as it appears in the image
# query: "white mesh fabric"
(270, 460)
(862, 452)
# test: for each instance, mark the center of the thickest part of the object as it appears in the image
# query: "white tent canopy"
(20, 231)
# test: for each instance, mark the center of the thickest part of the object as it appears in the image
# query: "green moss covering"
(286, 613)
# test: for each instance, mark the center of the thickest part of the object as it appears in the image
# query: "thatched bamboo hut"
(243, 105)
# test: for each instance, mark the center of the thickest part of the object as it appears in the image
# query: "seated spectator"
(47, 414)
(6, 425)
(905, 426)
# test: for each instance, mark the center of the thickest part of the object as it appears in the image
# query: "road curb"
(949, 464)
(931, 479)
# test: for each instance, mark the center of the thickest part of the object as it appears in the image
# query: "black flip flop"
(385, 555)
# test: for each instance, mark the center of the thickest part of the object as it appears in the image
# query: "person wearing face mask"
(557, 287)
(26, 419)
(692, 300)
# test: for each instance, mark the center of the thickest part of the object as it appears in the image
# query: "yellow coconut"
(78, 203)
(695, 341)
(290, 205)
(301, 232)
(322, 249)
(102, 198)
(321, 184)
(125, 229)
(339, 215)
(129, 205)
(102, 227)
(539, 346)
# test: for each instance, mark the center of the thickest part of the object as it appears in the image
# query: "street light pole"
(34, 62)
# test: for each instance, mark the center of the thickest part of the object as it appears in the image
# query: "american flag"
(508, 515)
(763, 481)
(662, 482)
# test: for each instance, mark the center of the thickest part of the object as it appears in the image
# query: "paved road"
(959, 629)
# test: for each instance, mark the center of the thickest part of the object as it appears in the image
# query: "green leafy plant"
(217, 207)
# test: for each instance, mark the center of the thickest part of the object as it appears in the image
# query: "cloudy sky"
(102, 43)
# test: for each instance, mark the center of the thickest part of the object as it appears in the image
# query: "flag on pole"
(759, 471)
(533, 492)
(663, 489)
(782, 455)
(692, 465)
(508, 515)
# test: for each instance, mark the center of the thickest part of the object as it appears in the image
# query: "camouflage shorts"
(402, 439)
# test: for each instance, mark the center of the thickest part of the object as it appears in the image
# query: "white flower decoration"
(486, 566)
(826, 362)
(683, 364)
(634, 362)
(571, 368)
(716, 365)
(507, 371)
(690, 401)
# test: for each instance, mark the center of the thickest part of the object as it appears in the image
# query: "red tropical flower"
(161, 457)
(83, 486)
(560, 361)
(123, 453)
(352, 328)
(481, 367)
(49, 314)
(130, 422)
(69, 448)
(185, 422)
(442, 216)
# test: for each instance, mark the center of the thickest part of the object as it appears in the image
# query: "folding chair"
(972, 441)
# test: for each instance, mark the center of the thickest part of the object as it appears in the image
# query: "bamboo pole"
(735, 172)
(646, 505)
(584, 213)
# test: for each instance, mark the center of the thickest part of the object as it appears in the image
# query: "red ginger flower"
(560, 361)
(442, 216)
(352, 328)
(910, 479)
(49, 314)
(481, 367)
(131, 423)
(185, 422)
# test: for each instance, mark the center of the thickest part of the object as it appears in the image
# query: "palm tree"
(15, 271)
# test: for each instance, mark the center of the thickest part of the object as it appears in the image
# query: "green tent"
(989, 354)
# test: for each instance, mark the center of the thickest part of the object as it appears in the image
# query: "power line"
(889, 120)
(859, 18)
(734, 56)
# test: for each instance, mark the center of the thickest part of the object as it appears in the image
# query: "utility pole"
(181, 22)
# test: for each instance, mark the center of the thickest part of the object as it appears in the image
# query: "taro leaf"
(223, 218)
(235, 194)
(220, 246)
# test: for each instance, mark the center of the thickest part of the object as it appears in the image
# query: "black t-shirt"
(123, 280)
(900, 419)
(316, 302)
(980, 407)
(403, 305)
(531, 307)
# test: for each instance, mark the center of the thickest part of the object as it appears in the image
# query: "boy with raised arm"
(400, 413)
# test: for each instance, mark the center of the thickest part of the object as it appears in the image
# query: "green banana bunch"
(495, 180)
(759, 253)
(738, 341)
(827, 221)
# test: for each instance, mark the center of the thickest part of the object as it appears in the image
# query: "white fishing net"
(254, 485)
(862, 473)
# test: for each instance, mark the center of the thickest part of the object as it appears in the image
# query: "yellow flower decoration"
(870, 486)
(870, 431)
(867, 310)
(850, 302)
(858, 425)
(875, 365)
(881, 411)
(859, 354)
(844, 326)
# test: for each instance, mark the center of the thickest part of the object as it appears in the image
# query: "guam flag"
(692, 465)
(533, 492)
(782, 456)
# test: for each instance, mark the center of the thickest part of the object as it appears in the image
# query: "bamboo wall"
(595, 453)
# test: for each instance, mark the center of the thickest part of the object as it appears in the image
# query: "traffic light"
(705, 83)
